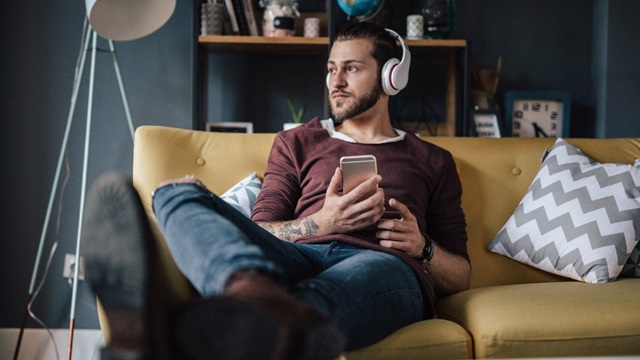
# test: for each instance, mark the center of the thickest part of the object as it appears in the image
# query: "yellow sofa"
(512, 310)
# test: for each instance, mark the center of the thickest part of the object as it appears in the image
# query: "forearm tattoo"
(289, 230)
(310, 227)
(268, 227)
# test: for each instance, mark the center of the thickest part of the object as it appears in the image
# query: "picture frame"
(487, 123)
(230, 127)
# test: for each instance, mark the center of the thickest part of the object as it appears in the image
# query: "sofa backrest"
(495, 175)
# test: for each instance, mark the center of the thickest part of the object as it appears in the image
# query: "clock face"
(537, 118)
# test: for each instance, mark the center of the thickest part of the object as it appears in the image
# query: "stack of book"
(212, 19)
(239, 17)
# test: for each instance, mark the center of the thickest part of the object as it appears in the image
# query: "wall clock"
(537, 113)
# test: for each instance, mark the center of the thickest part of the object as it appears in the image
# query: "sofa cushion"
(424, 340)
(243, 195)
(579, 218)
(549, 319)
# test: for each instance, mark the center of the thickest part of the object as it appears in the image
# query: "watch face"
(537, 118)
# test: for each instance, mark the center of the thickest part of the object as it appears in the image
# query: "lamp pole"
(47, 218)
(65, 141)
(135, 20)
(85, 166)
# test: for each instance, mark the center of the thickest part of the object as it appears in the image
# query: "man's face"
(354, 82)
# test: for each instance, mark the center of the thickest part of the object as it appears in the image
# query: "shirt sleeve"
(446, 222)
(281, 186)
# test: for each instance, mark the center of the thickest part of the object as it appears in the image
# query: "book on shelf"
(250, 15)
(240, 17)
(235, 28)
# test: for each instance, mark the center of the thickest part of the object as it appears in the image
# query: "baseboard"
(38, 345)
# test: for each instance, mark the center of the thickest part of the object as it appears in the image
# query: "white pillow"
(243, 195)
(579, 219)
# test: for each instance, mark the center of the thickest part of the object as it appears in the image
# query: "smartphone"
(356, 170)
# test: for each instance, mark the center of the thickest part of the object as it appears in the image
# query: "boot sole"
(116, 240)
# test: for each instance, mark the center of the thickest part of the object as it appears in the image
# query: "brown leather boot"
(256, 318)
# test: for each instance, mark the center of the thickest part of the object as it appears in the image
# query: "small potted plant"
(297, 114)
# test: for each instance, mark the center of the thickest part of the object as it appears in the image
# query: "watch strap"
(427, 252)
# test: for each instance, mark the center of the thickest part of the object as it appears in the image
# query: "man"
(315, 271)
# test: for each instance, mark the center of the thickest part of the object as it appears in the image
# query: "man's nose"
(338, 79)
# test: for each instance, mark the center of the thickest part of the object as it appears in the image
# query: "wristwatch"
(427, 252)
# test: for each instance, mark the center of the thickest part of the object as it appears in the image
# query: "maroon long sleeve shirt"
(419, 174)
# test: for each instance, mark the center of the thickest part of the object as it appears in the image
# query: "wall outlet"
(69, 267)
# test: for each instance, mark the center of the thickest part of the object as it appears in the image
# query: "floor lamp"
(119, 20)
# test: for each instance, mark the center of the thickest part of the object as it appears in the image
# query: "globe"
(358, 7)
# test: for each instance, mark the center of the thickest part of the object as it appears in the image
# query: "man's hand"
(350, 212)
(339, 214)
(451, 272)
(401, 234)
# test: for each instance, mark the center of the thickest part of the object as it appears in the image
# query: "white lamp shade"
(123, 20)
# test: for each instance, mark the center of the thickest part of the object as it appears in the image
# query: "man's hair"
(384, 44)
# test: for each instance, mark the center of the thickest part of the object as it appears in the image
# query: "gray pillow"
(579, 219)
(243, 195)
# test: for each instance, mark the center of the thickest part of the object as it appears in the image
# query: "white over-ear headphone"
(395, 73)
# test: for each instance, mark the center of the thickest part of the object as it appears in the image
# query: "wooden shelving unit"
(455, 52)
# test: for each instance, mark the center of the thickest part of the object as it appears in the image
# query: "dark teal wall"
(545, 45)
(620, 86)
(40, 44)
(571, 45)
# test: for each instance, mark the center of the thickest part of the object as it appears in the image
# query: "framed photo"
(487, 123)
(233, 127)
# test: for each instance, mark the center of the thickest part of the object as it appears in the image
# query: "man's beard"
(360, 105)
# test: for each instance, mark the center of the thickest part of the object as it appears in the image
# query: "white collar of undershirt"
(327, 124)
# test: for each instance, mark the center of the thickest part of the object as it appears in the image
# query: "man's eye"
(352, 68)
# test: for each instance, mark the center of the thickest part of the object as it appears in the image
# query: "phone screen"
(356, 170)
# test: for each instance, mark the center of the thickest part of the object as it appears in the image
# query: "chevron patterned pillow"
(243, 195)
(579, 219)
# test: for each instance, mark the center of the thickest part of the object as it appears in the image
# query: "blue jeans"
(367, 294)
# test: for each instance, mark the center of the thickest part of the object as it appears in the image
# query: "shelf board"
(296, 45)
(435, 47)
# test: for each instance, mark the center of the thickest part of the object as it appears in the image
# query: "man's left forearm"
(451, 272)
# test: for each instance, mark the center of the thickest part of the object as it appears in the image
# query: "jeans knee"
(172, 194)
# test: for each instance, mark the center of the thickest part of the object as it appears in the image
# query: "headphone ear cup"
(387, 77)
(395, 73)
